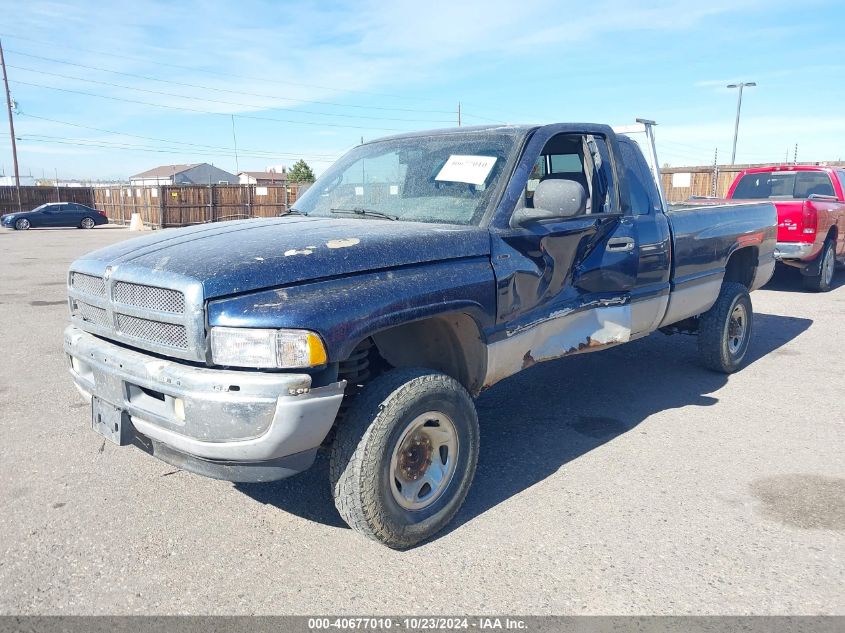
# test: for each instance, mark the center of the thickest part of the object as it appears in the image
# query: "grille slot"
(92, 314)
(155, 332)
(89, 284)
(149, 297)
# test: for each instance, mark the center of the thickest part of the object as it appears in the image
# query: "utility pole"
(11, 125)
(740, 85)
(713, 188)
(235, 139)
(795, 155)
(459, 114)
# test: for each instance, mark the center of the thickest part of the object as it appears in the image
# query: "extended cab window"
(583, 159)
(783, 185)
(641, 185)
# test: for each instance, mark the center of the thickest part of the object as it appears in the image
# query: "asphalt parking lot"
(630, 481)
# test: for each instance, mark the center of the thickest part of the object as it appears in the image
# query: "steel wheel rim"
(827, 266)
(737, 328)
(423, 461)
(87, 223)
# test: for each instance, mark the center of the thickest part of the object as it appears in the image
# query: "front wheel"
(724, 331)
(823, 282)
(404, 456)
(87, 223)
(22, 224)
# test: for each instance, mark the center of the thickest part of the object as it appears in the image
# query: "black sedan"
(56, 214)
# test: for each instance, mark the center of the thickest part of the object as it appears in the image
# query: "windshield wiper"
(293, 211)
(363, 211)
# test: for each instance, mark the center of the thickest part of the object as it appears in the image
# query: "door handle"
(620, 244)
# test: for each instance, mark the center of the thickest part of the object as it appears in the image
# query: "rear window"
(789, 185)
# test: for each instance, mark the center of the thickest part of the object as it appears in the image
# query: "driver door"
(564, 283)
(49, 216)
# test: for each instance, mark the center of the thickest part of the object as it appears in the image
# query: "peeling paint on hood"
(247, 255)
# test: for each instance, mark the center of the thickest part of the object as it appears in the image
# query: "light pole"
(740, 85)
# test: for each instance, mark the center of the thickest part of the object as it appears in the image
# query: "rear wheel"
(87, 223)
(404, 456)
(22, 224)
(724, 331)
(823, 282)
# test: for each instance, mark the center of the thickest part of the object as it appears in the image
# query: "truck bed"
(710, 228)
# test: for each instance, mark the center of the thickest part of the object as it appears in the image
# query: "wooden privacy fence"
(184, 205)
(165, 206)
(682, 183)
(32, 197)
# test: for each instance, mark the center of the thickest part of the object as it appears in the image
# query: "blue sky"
(161, 81)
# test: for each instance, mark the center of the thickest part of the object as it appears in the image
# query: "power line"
(231, 103)
(221, 73)
(482, 118)
(98, 144)
(217, 89)
(170, 141)
(187, 109)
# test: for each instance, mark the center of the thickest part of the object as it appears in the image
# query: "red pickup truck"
(810, 200)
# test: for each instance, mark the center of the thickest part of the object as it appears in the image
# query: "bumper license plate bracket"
(111, 422)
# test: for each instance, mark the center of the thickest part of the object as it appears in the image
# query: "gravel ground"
(625, 482)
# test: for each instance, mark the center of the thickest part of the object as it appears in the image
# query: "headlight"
(248, 347)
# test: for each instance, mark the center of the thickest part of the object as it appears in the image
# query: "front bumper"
(794, 250)
(234, 425)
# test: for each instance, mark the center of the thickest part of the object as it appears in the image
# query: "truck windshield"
(445, 178)
(787, 185)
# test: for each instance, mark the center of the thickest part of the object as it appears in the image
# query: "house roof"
(164, 171)
(265, 175)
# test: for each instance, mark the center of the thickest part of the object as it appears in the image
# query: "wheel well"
(449, 343)
(741, 266)
(833, 233)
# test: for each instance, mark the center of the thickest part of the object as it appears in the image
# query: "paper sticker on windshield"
(472, 170)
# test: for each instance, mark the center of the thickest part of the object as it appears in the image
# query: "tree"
(301, 172)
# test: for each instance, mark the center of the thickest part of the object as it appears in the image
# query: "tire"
(416, 410)
(823, 282)
(87, 223)
(22, 224)
(724, 331)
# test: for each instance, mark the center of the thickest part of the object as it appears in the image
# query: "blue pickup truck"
(416, 272)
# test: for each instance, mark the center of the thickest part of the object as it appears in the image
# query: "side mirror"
(553, 198)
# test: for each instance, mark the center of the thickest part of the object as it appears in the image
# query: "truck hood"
(236, 257)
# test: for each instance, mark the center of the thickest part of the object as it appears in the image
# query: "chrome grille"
(155, 332)
(149, 297)
(88, 284)
(92, 314)
(117, 303)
